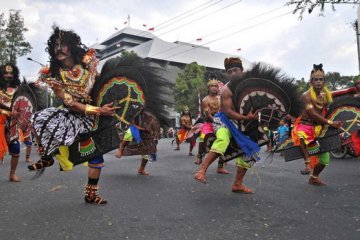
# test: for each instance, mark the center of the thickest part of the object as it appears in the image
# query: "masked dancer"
(225, 130)
(308, 126)
(9, 82)
(210, 106)
(71, 75)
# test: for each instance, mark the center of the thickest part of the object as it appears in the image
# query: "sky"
(261, 30)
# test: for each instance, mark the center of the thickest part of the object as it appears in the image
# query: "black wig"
(72, 40)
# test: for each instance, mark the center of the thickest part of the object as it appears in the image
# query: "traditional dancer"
(9, 81)
(71, 75)
(225, 130)
(185, 127)
(143, 137)
(210, 106)
(310, 123)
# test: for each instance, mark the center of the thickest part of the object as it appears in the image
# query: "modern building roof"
(130, 31)
(147, 45)
(181, 53)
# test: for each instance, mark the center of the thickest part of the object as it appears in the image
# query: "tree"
(128, 54)
(13, 44)
(334, 81)
(2, 38)
(309, 5)
(188, 85)
(302, 85)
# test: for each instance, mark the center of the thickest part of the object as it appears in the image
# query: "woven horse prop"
(25, 102)
(133, 86)
(345, 108)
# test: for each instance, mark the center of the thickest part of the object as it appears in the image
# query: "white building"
(172, 57)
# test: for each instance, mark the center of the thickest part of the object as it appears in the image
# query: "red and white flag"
(151, 29)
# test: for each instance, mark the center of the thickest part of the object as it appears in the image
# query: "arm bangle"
(92, 110)
(309, 106)
(4, 112)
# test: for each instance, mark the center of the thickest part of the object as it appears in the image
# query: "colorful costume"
(182, 133)
(210, 106)
(225, 131)
(141, 138)
(283, 133)
(260, 89)
(9, 82)
(309, 125)
(6, 97)
(77, 84)
(84, 128)
(3, 142)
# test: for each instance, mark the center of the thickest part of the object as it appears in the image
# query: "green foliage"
(12, 40)
(334, 81)
(2, 38)
(309, 5)
(302, 85)
(188, 84)
(128, 54)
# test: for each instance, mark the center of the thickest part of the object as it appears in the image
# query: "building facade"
(172, 57)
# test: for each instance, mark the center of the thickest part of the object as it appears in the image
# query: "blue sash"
(250, 148)
(135, 133)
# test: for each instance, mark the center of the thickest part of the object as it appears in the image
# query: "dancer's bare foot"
(14, 178)
(316, 181)
(241, 189)
(118, 154)
(200, 175)
(222, 171)
(143, 172)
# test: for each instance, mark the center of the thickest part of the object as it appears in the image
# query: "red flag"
(144, 25)
(199, 39)
(151, 29)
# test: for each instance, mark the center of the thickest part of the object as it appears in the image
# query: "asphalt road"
(169, 204)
